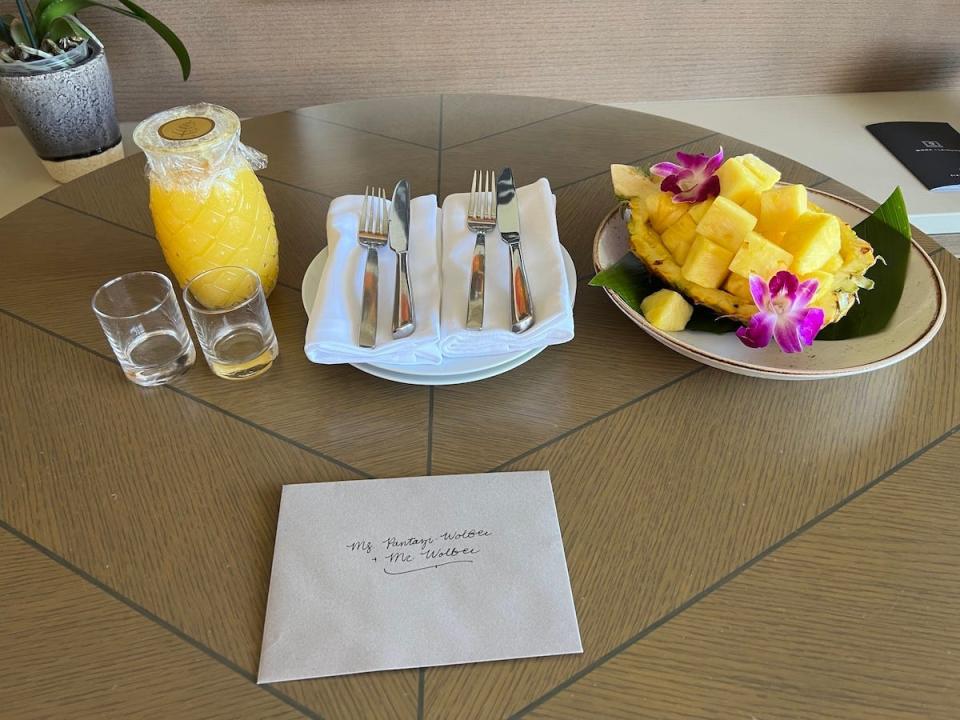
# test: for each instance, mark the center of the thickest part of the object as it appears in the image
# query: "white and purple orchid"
(782, 313)
(692, 178)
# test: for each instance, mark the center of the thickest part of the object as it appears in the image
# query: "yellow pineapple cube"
(824, 283)
(697, 211)
(759, 256)
(726, 223)
(738, 285)
(663, 211)
(737, 181)
(767, 175)
(833, 264)
(706, 263)
(667, 310)
(679, 236)
(752, 205)
(779, 209)
(812, 240)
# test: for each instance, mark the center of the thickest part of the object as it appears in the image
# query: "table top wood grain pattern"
(737, 547)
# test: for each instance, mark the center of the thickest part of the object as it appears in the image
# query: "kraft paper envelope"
(413, 572)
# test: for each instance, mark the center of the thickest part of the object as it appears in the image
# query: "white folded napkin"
(335, 320)
(546, 276)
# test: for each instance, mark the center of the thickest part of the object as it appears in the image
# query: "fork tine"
(491, 201)
(482, 196)
(383, 212)
(471, 207)
(363, 209)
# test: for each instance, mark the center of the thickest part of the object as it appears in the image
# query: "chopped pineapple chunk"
(824, 283)
(663, 211)
(697, 211)
(779, 209)
(667, 310)
(767, 176)
(833, 264)
(706, 263)
(737, 182)
(726, 223)
(812, 240)
(752, 205)
(738, 285)
(761, 257)
(679, 236)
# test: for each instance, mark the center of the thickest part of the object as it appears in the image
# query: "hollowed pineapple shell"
(648, 246)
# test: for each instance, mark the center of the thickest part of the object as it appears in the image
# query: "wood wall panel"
(260, 56)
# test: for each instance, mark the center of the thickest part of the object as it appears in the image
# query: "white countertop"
(827, 133)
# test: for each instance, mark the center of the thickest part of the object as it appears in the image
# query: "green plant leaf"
(888, 231)
(55, 9)
(18, 31)
(26, 15)
(629, 278)
(65, 26)
(170, 37)
(51, 10)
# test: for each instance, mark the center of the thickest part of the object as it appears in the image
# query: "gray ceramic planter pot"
(68, 115)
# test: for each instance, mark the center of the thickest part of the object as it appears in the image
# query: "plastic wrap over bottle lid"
(194, 144)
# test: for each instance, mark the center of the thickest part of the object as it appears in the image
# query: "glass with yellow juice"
(209, 209)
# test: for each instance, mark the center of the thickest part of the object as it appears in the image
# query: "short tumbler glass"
(229, 313)
(140, 316)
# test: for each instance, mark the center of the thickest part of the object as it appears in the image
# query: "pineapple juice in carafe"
(208, 206)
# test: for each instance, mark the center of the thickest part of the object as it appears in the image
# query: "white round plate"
(915, 322)
(453, 371)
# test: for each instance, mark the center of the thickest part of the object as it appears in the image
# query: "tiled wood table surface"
(738, 548)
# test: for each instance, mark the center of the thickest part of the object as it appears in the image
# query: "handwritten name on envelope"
(399, 556)
(413, 572)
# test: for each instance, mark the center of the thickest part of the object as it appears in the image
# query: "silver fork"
(481, 219)
(373, 236)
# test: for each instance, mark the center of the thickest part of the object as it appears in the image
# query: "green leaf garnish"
(629, 278)
(888, 231)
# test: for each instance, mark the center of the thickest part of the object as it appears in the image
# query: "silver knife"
(404, 322)
(508, 220)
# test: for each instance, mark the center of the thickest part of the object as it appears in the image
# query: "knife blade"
(404, 322)
(400, 217)
(508, 220)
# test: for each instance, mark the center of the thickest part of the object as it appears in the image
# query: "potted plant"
(55, 82)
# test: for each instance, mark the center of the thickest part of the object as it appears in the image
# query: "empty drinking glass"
(229, 313)
(140, 316)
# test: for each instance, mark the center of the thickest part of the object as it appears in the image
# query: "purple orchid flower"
(782, 313)
(693, 179)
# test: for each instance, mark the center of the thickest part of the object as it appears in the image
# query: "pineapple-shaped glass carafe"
(209, 209)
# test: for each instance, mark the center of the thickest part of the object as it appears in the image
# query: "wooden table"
(737, 548)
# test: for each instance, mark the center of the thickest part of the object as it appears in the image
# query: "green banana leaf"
(887, 230)
(629, 278)
(48, 11)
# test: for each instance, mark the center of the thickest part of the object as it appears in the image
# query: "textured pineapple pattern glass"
(140, 316)
(229, 313)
